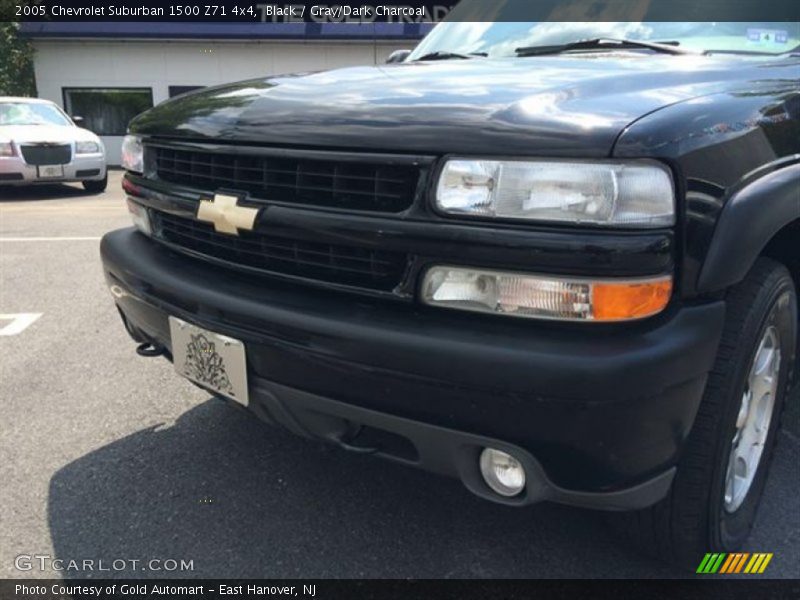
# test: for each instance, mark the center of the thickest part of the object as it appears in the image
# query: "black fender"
(750, 219)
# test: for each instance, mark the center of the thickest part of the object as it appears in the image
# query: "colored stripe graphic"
(711, 563)
(752, 563)
(718, 564)
(758, 563)
(703, 563)
(740, 564)
(764, 564)
(723, 563)
(728, 562)
(733, 562)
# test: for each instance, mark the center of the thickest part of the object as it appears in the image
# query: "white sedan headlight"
(133, 154)
(605, 193)
(87, 148)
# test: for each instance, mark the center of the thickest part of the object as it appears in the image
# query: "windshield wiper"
(601, 43)
(444, 55)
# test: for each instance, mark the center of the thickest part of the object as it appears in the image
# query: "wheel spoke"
(764, 360)
(760, 415)
(758, 389)
(744, 410)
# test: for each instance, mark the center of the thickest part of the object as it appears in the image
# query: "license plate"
(50, 171)
(216, 362)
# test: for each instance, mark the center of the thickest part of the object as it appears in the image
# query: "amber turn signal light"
(627, 301)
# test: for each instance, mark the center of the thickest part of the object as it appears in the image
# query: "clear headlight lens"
(544, 297)
(6, 149)
(607, 193)
(87, 148)
(133, 154)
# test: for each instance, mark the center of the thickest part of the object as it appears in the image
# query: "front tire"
(96, 187)
(724, 465)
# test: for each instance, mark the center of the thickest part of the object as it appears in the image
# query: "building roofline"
(25, 99)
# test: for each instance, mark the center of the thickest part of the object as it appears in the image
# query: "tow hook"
(346, 441)
(149, 349)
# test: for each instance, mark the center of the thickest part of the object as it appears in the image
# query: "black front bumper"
(598, 413)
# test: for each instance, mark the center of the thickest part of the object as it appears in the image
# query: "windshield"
(503, 39)
(31, 113)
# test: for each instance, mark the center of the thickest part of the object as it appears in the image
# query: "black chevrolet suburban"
(558, 261)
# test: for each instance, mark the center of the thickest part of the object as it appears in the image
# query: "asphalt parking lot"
(105, 455)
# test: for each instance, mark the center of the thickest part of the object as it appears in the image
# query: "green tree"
(16, 62)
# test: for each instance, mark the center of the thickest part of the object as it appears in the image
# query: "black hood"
(544, 105)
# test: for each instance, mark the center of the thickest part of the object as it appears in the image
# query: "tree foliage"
(16, 62)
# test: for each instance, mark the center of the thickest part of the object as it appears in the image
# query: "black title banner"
(403, 11)
(243, 11)
(187, 589)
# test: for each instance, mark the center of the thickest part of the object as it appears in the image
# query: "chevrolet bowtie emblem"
(226, 214)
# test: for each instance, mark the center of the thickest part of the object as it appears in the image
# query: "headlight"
(133, 154)
(87, 148)
(6, 149)
(607, 193)
(545, 297)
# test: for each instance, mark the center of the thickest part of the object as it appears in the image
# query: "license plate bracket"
(214, 361)
(50, 171)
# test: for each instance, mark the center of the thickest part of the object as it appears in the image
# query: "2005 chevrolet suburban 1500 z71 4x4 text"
(556, 269)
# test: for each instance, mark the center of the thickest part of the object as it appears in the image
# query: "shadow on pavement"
(242, 499)
(42, 192)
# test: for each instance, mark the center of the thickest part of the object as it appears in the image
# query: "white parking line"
(50, 239)
(19, 322)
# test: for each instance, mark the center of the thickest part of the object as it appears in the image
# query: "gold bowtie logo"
(226, 214)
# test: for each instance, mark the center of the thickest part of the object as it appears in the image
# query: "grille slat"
(347, 265)
(46, 154)
(270, 252)
(265, 243)
(252, 255)
(198, 177)
(340, 184)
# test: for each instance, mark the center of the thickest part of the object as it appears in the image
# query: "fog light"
(502, 472)
(140, 217)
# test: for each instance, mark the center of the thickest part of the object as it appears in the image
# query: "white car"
(39, 143)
